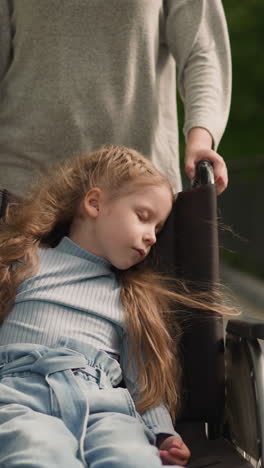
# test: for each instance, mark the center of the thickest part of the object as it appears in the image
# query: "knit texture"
(77, 74)
(74, 294)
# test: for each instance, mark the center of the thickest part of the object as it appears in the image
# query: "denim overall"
(59, 408)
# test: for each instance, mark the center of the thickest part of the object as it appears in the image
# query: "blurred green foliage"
(244, 133)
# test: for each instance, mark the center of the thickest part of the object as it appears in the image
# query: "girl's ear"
(92, 202)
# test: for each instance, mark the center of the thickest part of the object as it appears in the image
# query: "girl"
(85, 313)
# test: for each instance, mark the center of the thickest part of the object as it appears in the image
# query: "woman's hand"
(173, 451)
(198, 147)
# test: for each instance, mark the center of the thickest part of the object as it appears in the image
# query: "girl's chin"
(124, 265)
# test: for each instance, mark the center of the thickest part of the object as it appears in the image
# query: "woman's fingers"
(219, 166)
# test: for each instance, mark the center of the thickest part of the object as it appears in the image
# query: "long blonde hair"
(45, 216)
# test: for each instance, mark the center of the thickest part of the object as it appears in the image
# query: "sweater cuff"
(215, 134)
(158, 420)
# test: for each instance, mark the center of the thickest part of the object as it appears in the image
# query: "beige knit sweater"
(75, 74)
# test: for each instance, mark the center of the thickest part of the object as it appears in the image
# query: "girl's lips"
(141, 252)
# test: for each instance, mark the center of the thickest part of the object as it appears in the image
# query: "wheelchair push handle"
(204, 173)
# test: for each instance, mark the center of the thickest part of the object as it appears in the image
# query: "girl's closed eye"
(142, 216)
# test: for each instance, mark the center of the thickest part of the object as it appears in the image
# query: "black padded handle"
(204, 173)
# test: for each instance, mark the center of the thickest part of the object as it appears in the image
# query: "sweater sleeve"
(5, 36)
(197, 36)
(157, 418)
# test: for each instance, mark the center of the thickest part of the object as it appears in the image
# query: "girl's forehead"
(155, 196)
(157, 199)
(155, 192)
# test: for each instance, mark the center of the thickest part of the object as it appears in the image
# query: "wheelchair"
(222, 411)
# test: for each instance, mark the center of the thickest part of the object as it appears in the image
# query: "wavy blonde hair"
(45, 216)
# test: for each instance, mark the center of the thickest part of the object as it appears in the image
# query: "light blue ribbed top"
(76, 294)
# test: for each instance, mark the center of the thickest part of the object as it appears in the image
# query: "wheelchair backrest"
(188, 248)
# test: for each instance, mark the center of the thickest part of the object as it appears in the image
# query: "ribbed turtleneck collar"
(66, 245)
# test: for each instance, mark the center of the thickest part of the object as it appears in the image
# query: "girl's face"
(125, 228)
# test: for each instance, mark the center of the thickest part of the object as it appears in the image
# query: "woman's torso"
(83, 74)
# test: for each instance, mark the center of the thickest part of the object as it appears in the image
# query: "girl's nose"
(150, 238)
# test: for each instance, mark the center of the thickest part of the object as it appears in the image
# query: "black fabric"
(188, 244)
(188, 248)
(247, 328)
(244, 393)
(218, 453)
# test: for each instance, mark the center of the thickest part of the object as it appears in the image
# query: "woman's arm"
(197, 36)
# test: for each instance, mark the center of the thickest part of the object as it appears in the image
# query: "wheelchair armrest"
(245, 385)
(246, 328)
